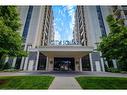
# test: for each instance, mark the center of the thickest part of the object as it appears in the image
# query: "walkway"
(64, 83)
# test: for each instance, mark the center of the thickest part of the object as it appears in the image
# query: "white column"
(6, 59)
(50, 65)
(106, 63)
(47, 64)
(91, 63)
(76, 64)
(102, 62)
(14, 62)
(26, 63)
(26, 59)
(22, 62)
(36, 65)
(80, 62)
(114, 63)
(23, 58)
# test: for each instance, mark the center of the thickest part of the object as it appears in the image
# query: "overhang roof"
(64, 51)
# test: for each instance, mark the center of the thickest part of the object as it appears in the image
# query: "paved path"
(64, 83)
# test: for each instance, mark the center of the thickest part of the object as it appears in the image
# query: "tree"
(10, 39)
(114, 46)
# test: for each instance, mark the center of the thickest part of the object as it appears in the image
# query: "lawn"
(102, 82)
(25, 82)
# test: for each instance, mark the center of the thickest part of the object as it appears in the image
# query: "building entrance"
(64, 64)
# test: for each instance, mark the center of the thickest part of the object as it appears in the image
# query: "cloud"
(54, 24)
(59, 11)
(70, 37)
(62, 24)
(57, 36)
(72, 22)
(71, 12)
(65, 9)
(69, 7)
(65, 17)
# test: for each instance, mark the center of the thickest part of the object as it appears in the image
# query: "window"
(100, 18)
(26, 27)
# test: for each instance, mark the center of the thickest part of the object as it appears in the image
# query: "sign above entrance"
(64, 42)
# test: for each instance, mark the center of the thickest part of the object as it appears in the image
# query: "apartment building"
(38, 33)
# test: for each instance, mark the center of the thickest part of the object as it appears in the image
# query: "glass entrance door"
(64, 64)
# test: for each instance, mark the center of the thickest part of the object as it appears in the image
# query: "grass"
(25, 82)
(102, 82)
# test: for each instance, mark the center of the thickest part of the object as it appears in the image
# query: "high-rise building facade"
(36, 30)
(44, 53)
(120, 12)
(90, 27)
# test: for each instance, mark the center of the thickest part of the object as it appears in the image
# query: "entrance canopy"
(64, 51)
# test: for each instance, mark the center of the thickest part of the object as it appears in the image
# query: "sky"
(63, 22)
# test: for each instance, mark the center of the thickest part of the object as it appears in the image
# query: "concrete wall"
(31, 60)
(50, 63)
(93, 28)
(96, 58)
(77, 64)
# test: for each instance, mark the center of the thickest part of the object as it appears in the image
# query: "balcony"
(114, 8)
(124, 7)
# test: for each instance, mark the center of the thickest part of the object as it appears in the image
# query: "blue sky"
(63, 22)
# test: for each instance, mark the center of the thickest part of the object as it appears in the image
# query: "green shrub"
(10, 70)
(106, 68)
(123, 72)
(7, 66)
(113, 70)
(1, 66)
